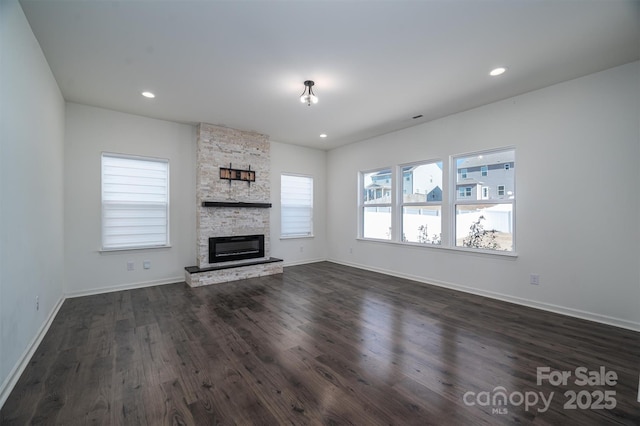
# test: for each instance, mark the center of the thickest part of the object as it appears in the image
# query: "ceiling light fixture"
(308, 97)
(148, 95)
(323, 135)
(497, 71)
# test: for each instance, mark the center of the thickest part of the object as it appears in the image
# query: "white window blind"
(296, 200)
(135, 202)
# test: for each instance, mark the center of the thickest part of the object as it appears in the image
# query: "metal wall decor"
(231, 174)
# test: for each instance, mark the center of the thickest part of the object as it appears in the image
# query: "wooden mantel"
(235, 204)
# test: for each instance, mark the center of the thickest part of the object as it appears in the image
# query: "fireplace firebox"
(225, 249)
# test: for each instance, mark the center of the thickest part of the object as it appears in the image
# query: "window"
(485, 221)
(135, 202)
(464, 192)
(421, 203)
(296, 203)
(404, 204)
(375, 204)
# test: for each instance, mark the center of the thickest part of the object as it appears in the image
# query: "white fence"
(498, 217)
(378, 224)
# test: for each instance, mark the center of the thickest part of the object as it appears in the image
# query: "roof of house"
(501, 157)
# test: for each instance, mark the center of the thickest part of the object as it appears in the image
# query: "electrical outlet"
(534, 279)
(350, 250)
(146, 264)
(130, 266)
(37, 303)
(301, 249)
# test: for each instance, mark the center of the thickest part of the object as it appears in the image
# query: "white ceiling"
(376, 64)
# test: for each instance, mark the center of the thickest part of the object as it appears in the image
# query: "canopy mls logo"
(498, 399)
(587, 399)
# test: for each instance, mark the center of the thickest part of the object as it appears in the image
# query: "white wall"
(89, 132)
(31, 193)
(303, 161)
(577, 150)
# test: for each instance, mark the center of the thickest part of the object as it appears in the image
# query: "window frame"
(448, 204)
(167, 205)
(401, 204)
(311, 221)
(362, 203)
(455, 201)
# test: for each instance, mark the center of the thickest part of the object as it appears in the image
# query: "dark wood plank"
(320, 344)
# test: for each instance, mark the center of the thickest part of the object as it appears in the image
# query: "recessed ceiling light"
(148, 95)
(497, 71)
(323, 135)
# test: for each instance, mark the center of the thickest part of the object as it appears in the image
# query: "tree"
(423, 236)
(479, 237)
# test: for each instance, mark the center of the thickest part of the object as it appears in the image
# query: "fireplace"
(235, 212)
(225, 249)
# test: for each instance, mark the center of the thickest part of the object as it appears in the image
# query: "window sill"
(509, 254)
(117, 250)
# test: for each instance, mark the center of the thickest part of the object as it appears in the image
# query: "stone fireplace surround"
(231, 208)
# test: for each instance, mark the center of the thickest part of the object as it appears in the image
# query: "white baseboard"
(18, 369)
(121, 287)
(303, 262)
(577, 313)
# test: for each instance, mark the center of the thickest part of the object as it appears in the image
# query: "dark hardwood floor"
(320, 344)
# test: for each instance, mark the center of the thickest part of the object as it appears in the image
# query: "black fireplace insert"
(225, 249)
